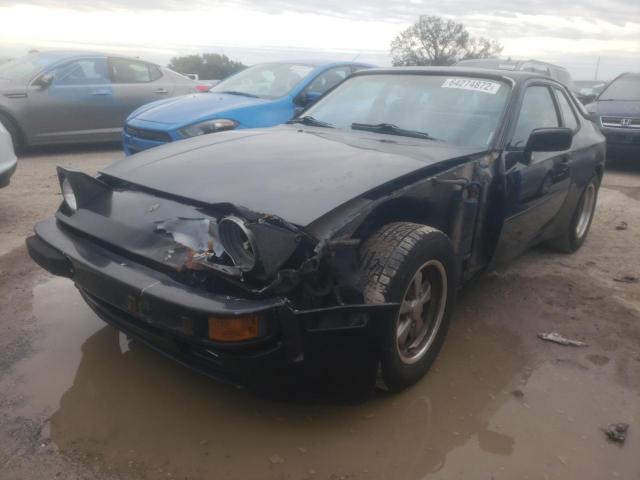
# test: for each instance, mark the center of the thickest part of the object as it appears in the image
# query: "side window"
(329, 79)
(155, 73)
(131, 71)
(568, 115)
(91, 71)
(537, 111)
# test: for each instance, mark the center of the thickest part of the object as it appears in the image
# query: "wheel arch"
(8, 116)
(402, 209)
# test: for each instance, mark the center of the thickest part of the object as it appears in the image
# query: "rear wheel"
(413, 265)
(576, 231)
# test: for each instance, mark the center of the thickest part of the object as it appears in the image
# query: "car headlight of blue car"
(208, 126)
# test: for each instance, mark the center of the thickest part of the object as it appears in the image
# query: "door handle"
(101, 92)
(161, 90)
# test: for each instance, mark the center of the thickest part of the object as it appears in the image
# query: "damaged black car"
(335, 244)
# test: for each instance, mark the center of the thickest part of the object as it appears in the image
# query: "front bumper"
(131, 144)
(172, 317)
(622, 140)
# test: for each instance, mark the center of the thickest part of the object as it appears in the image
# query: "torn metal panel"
(235, 247)
(194, 233)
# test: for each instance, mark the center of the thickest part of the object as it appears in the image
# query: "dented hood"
(296, 173)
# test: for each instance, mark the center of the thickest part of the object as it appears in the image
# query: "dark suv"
(617, 112)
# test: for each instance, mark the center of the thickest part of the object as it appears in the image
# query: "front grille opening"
(620, 122)
(147, 134)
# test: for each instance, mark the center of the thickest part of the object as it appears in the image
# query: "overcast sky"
(573, 33)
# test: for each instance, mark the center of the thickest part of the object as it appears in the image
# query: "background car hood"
(617, 108)
(297, 174)
(188, 109)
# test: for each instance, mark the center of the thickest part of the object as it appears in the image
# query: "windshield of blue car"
(626, 87)
(269, 80)
(24, 68)
(463, 111)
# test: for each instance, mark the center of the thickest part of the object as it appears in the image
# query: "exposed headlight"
(209, 126)
(237, 240)
(68, 195)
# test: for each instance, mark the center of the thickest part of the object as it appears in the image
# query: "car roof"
(56, 55)
(515, 76)
(507, 61)
(316, 63)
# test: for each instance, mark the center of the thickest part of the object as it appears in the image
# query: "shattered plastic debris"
(617, 432)
(622, 226)
(627, 279)
(276, 459)
(561, 340)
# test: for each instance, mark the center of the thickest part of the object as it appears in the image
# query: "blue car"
(263, 95)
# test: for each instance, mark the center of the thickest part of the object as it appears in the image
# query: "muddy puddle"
(497, 404)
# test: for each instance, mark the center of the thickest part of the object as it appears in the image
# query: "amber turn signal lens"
(234, 329)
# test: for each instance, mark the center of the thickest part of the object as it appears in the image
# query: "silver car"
(8, 159)
(76, 97)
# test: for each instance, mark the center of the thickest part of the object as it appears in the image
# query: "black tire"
(573, 237)
(390, 260)
(10, 125)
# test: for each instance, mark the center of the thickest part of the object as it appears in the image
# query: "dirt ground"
(79, 401)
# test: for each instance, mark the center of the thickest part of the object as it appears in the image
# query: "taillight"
(202, 88)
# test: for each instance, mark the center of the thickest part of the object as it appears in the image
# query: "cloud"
(615, 11)
(563, 30)
(571, 19)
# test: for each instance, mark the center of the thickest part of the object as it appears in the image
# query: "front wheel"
(413, 265)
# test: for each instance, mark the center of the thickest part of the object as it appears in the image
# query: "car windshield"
(24, 68)
(270, 80)
(462, 111)
(623, 88)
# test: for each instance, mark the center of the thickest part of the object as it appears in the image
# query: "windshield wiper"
(313, 122)
(391, 129)
(235, 92)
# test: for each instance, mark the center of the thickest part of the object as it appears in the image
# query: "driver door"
(536, 183)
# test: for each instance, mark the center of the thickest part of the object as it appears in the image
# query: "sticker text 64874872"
(472, 84)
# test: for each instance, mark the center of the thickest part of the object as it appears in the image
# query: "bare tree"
(436, 41)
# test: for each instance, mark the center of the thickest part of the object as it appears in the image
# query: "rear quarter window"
(131, 71)
(568, 115)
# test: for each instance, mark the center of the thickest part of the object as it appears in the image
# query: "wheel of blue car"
(576, 231)
(412, 265)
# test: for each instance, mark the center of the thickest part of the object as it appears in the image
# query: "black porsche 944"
(339, 239)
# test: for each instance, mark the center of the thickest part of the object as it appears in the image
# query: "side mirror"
(307, 98)
(549, 140)
(44, 80)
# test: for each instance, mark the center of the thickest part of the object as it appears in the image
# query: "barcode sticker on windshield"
(472, 84)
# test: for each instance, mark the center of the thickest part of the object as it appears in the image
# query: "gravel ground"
(77, 400)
